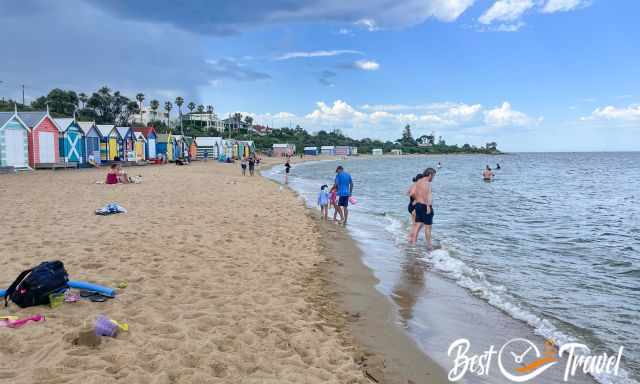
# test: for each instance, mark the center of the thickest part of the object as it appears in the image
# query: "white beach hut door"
(45, 139)
(152, 148)
(14, 140)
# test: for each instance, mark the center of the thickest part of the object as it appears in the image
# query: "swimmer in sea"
(487, 175)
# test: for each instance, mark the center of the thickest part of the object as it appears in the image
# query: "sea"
(549, 250)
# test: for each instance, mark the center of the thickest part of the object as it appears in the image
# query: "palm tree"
(140, 98)
(191, 106)
(210, 109)
(179, 102)
(155, 104)
(83, 98)
(167, 107)
(200, 108)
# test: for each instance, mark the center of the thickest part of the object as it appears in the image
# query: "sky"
(532, 75)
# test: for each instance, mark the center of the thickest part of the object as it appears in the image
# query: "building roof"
(86, 126)
(31, 119)
(162, 137)
(139, 136)
(123, 131)
(145, 131)
(64, 123)
(4, 117)
(310, 148)
(105, 129)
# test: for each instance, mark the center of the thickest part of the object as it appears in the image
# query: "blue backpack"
(33, 286)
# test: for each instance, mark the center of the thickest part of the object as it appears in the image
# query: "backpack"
(33, 286)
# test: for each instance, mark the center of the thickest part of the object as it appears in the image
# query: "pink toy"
(353, 200)
(20, 322)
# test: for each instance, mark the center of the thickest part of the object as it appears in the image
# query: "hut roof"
(145, 131)
(105, 129)
(31, 119)
(139, 136)
(64, 123)
(4, 117)
(123, 131)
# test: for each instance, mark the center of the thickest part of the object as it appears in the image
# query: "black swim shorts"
(343, 201)
(422, 216)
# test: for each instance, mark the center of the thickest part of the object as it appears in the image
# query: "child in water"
(323, 202)
(333, 200)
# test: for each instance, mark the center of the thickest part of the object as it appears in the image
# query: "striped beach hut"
(208, 145)
(44, 137)
(127, 150)
(14, 141)
(151, 139)
(247, 147)
(72, 141)
(92, 138)
(140, 146)
(227, 149)
(192, 148)
(111, 142)
(342, 150)
(283, 149)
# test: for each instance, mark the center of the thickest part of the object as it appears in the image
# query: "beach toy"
(123, 326)
(56, 299)
(105, 327)
(71, 297)
(123, 285)
(105, 291)
(353, 200)
(20, 322)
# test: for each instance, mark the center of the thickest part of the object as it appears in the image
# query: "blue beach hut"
(72, 141)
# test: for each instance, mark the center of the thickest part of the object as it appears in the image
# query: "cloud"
(229, 69)
(369, 24)
(553, 6)
(504, 116)
(227, 17)
(339, 111)
(630, 113)
(326, 78)
(345, 31)
(513, 27)
(506, 11)
(366, 65)
(308, 54)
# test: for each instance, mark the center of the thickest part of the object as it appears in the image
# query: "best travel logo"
(520, 360)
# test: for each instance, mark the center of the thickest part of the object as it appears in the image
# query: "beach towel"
(110, 209)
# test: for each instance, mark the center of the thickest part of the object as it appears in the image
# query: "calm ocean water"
(553, 242)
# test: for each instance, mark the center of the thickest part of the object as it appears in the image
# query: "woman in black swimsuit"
(411, 208)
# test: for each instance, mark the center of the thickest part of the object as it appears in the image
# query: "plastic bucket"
(105, 327)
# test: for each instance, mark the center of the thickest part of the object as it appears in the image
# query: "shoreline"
(365, 318)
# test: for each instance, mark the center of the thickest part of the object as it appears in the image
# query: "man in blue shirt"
(345, 188)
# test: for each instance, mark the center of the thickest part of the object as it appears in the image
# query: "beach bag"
(33, 286)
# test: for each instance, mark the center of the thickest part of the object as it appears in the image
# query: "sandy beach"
(227, 282)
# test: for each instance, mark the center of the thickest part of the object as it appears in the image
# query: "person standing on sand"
(344, 183)
(423, 197)
(333, 200)
(487, 175)
(287, 168)
(252, 165)
(243, 165)
(323, 202)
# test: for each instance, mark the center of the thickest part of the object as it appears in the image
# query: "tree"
(191, 106)
(140, 98)
(167, 107)
(108, 108)
(60, 102)
(248, 120)
(131, 109)
(154, 104)
(179, 102)
(200, 108)
(210, 109)
(407, 137)
(83, 98)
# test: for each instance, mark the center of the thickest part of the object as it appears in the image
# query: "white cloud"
(513, 27)
(307, 54)
(344, 31)
(369, 24)
(506, 10)
(553, 6)
(449, 10)
(504, 116)
(340, 110)
(630, 113)
(366, 65)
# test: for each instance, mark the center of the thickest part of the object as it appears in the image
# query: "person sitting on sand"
(323, 202)
(112, 174)
(122, 175)
(487, 175)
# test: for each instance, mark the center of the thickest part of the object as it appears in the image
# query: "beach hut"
(354, 151)
(376, 152)
(92, 138)
(14, 141)
(396, 152)
(111, 143)
(227, 149)
(328, 150)
(192, 148)
(151, 137)
(140, 146)
(248, 147)
(280, 150)
(44, 138)
(165, 146)
(209, 145)
(127, 149)
(342, 150)
(311, 151)
(72, 141)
